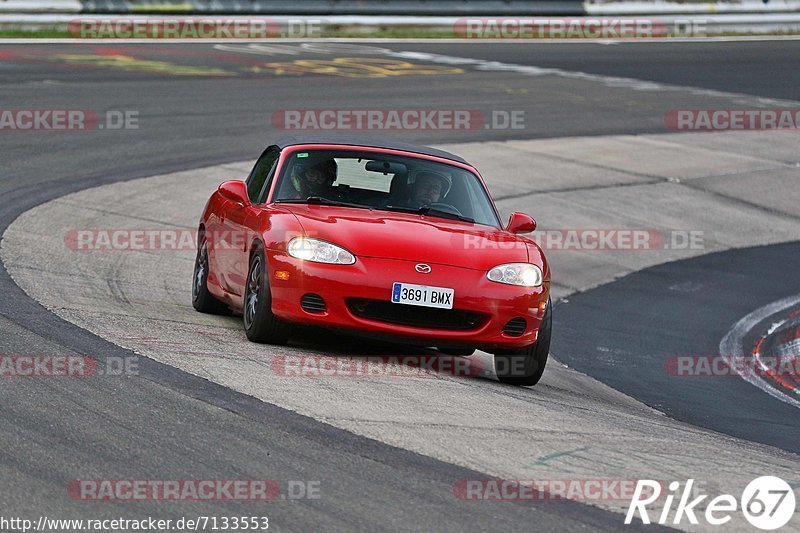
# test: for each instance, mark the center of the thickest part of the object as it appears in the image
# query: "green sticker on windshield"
(304, 154)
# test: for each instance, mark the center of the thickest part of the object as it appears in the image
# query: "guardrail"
(440, 27)
(665, 7)
(401, 7)
(40, 6)
(351, 16)
(304, 7)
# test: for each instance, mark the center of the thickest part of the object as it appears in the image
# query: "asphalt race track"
(669, 300)
(388, 453)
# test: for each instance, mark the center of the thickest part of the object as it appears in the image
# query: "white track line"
(732, 345)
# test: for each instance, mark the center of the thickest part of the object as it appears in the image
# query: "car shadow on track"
(338, 354)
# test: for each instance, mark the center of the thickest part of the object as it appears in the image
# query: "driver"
(429, 188)
(315, 179)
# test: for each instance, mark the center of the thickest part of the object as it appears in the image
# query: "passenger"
(429, 188)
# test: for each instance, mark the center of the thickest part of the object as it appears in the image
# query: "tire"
(202, 300)
(525, 367)
(260, 325)
(463, 352)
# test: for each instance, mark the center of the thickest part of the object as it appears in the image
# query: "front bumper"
(371, 279)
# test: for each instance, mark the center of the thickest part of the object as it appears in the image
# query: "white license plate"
(406, 293)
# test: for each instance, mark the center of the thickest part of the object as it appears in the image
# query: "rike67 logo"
(767, 502)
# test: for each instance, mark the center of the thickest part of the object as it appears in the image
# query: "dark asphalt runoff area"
(196, 106)
(679, 309)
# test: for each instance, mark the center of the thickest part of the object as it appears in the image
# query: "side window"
(259, 175)
(262, 197)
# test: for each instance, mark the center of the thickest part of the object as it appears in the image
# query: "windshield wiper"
(427, 210)
(319, 200)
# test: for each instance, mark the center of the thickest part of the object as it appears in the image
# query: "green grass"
(52, 33)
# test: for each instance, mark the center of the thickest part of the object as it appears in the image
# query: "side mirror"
(235, 191)
(521, 223)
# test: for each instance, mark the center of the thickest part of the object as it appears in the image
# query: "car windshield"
(371, 180)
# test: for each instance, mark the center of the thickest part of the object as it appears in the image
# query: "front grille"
(415, 316)
(515, 327)
(313, 303)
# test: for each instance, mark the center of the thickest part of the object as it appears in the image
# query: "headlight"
(318, 251)
(522, 274)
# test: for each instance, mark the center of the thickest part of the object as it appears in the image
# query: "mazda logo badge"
(423, 268)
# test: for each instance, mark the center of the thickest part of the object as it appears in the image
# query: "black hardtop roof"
(369, 142)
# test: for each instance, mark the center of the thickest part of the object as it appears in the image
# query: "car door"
(240, 222)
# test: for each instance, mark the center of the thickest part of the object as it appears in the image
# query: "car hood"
(411, 237)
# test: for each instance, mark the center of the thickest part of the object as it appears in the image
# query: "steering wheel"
(447, 208)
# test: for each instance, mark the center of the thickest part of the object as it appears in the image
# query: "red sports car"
(380, 239)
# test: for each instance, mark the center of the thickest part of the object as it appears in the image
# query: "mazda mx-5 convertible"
(379, 239)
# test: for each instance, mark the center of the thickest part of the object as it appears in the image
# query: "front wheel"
(260, 325)
(525, 367)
